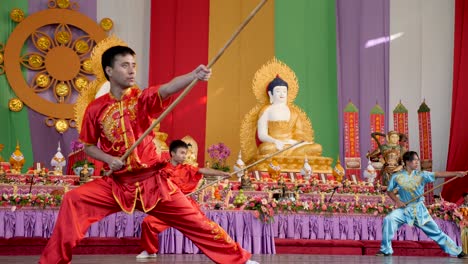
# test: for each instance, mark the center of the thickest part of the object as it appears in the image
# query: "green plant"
(81, 163)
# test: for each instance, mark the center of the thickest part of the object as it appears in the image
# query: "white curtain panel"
(421, 66)
(132, 25)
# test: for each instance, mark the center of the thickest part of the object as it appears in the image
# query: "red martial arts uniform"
(186, 177)
(140, 185)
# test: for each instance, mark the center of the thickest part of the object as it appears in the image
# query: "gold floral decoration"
(17, 15)
(106, 23)
(15, 104)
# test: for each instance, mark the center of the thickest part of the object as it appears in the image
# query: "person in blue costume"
(410, 183)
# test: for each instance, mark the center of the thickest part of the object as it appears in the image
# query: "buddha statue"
(338, 171)
(85, 175)
(276, 123)
(192, 151)
(389, 154)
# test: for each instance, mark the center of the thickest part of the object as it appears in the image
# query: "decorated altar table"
(242, 226)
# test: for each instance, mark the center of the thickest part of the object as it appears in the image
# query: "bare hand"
(202, 73)
(116, 164)
(461, 173)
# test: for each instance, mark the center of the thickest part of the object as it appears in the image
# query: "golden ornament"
(81, 46)
(42, 80)
(17, 15)
(43, 43)
(63, 3)
(87, 65)
(63, 37)
(106, 24)
(35, 61)
(15, 104)
(62, 89)
(1, 58)
(81, 83)
(61, 125)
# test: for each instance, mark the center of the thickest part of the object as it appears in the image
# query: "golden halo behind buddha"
(267, 73)
(89, 92)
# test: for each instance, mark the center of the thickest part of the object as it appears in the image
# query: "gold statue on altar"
(276, 123)
(17, 160)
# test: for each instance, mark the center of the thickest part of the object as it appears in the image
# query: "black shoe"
(463, 255)
(381, 254)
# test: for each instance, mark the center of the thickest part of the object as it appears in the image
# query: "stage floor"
(264, 259)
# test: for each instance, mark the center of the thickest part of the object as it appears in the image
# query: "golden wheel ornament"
(59, 66)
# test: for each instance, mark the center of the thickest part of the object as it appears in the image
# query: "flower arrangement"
(264, 209)
(219, 153)
(32, 200)
(445, 210)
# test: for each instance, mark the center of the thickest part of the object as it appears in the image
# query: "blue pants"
(396, 218)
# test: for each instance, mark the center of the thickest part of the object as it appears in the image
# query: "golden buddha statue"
(85, 175)
(17, 160)
(276, 122)
(192, 151)
(160, 140)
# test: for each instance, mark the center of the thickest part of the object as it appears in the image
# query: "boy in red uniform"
(186, 177)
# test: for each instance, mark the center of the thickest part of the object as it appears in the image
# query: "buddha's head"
(278, 91)
(393, 137)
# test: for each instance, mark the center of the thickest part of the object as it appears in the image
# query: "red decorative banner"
(425, 144)
(377, 124)
(351, 141)
(400, 121)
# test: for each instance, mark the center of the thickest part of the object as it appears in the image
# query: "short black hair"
(176, 144)
(108, 57)
(465, 194)
(410, 156)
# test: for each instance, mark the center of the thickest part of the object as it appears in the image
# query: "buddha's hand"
(291, 141)
(279, 144)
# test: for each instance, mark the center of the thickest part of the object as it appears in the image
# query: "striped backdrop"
(323, 41)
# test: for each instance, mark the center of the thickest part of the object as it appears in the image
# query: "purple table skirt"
(242, 226)
(349, 227)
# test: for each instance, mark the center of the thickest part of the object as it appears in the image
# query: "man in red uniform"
(186, 177)
(116, 120)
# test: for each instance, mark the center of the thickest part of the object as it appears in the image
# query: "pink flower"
(256, 214)
(324, 207)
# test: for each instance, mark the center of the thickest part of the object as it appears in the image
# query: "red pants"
(152, 226)
(93, 201)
